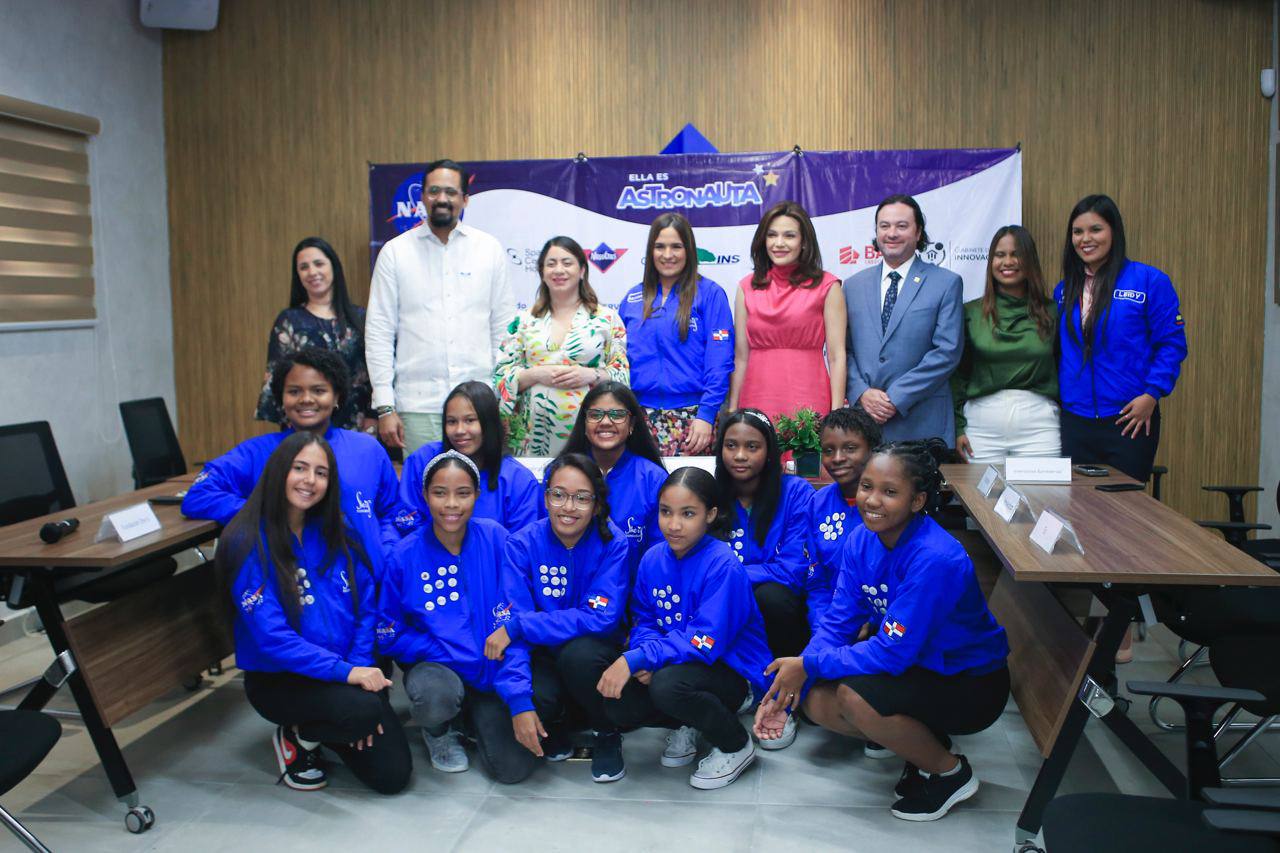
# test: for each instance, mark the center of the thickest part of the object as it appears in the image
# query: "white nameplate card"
(1038, 469)
(128, 524)
(1010, 502)
(989, 479)
(1050, 529)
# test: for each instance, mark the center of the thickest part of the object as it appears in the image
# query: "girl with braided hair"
(908, 653)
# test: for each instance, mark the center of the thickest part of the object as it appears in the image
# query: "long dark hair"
(343, 309)
(767, 497)
(542, 300)
(688, 280)
(640, 442)
(705, 489)
(1104, 280)
(492, 436)
(264, 520)
(808, 271)
(591, 471)
(920, 461)
(1025, 247)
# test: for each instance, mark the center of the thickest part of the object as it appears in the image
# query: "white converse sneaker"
(721, 768)
(788, 735)
(682, 747)
(446, 751)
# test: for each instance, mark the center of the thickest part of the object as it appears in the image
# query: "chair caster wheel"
(1027, 847)
(139, 819)
(192, 684)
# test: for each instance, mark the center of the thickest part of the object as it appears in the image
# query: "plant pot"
(808, 463)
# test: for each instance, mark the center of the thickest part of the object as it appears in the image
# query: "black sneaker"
(300, 768)
(908, 782)
(933, 796)
(606, 758)
(557, 746)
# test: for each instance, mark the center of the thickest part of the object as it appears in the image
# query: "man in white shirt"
(906, 330)
(439, 306)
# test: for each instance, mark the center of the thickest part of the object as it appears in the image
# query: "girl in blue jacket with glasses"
(1121, 343)
(304, 601)
(908, 653)
(697, 648)
(566, 577)
(509, 493)
(441, 598)
(679, 340)
(611, 430)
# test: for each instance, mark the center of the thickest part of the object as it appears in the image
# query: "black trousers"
(786, 619)
(565, 679)
(337, 715)
(1098, 440)
(686, 694)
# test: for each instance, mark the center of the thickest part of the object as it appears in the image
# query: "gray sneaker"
(682, 747)
(446, 751)
(721, 768)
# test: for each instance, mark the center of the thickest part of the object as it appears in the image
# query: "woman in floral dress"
(565, 343)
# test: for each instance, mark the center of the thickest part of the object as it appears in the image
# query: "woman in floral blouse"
(320, 314)
(556, 350)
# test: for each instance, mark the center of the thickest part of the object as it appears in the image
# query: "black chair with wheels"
(1236, 530)
(1209, 818)
(1248, 660)
(25, 739)
(157, 455)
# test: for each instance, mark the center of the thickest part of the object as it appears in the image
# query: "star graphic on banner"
(758, 169)
(771, 178)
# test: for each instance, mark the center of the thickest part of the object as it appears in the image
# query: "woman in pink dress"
(786, 312)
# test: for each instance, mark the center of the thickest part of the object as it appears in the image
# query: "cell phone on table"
(168, 500)
(1120, 487)
(1091, 470)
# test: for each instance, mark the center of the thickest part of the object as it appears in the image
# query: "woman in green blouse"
(1006, 387)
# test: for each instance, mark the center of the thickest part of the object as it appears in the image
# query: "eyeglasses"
(581, 500)
(615, 415)
(448, 192)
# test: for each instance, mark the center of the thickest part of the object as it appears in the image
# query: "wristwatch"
(383, 411)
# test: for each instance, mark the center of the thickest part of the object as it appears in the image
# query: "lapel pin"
(915, 279)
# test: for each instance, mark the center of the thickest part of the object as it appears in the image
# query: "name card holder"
(990, 478)
(1037, 469)
(1011, 504)
(1051, 529)
(128, 524)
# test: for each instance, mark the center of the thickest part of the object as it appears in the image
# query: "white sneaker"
(446, 751)
(682, 747)
(871, 749)
(788, 736)
(721, 768)
(748, 704)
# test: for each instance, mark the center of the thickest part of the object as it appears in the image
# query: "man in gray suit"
(906, 330)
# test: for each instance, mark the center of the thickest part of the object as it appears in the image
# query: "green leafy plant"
(798, 432)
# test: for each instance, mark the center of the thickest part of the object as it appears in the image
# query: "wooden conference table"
(120, 656)
(1132, 543)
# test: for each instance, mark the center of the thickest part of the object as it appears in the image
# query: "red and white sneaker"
(300, 768)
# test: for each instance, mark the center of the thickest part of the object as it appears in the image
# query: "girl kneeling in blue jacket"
(509, 493)
(566, 578)
(908, 653)
(441, 597)
(697, 648)
(303, 593)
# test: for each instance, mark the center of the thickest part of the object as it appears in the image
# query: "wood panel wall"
(271, 119)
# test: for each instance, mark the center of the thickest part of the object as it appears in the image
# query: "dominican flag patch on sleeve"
(702, 642)
(598, 602)
(720, 334)
(894, 629)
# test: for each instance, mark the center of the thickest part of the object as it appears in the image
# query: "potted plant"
(798, 432)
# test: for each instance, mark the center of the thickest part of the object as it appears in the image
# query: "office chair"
(25, 739)
(1236, 530)
(157, 455)
(1209, 818)
(1248, 661)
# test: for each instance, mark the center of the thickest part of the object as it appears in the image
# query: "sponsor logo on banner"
(526, 259)
(850, 256)
(603, 256)
(969, 254)
(658, 196)
(706, 258)
(408, 210)
(934, 253)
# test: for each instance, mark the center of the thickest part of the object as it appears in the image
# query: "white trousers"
(1012, 423)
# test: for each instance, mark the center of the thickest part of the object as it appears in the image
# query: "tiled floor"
(204, 764)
